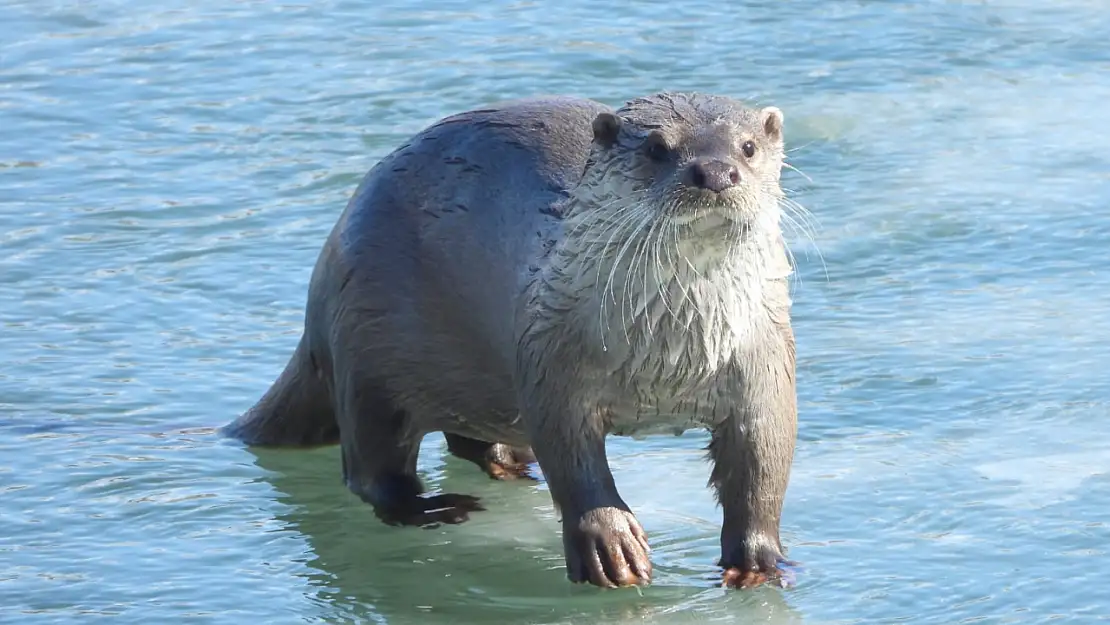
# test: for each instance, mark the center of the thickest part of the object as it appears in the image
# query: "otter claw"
(781, 575)
(607, 547)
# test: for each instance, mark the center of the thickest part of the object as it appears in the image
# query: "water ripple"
(168, 173)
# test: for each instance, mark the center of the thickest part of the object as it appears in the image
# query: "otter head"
(707, 165)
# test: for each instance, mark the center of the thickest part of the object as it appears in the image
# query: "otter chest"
(667, 416)
(683, 378)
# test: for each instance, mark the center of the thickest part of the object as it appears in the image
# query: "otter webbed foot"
(606, 547)
(503, 462)
(498, 460)
(755, 565)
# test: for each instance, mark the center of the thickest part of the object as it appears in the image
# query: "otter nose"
(714, 175)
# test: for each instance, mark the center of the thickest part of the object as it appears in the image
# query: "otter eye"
(748, 148)
(657, 149)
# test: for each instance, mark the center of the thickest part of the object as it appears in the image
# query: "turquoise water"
(169, 170)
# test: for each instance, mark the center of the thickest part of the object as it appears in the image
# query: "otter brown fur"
(532, 276)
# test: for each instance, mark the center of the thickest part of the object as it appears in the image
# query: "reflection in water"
(504, 564)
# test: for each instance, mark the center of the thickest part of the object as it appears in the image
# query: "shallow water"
(168, 172)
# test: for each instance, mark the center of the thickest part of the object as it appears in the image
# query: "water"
(169, 170)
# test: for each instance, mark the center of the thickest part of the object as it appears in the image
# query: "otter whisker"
(601, 211)
(598, 223)
(601, 217)
(802, 212)
(647, 217)
(662, 287)
(800, 172)
(616, 229)
(638, 259)
(685, 291)
(620, 232)
(601, 231)
(790, 253)
(801, 147)
(686, 299)
(736, 240)
(638, 253)
(672, 264)
(648, 259)
(798, 217)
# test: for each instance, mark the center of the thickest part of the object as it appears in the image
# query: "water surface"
(168, 172)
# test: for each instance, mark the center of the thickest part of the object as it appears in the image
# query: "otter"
(532, 276)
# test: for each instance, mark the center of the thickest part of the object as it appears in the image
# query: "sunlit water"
(168, 172)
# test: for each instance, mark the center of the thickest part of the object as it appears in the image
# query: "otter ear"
(771, 120)
(606, 127)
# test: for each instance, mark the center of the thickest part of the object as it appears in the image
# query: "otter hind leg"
(498, 460)
(380, 447)
(296, 410)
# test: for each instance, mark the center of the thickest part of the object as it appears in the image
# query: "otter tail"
(295, 411)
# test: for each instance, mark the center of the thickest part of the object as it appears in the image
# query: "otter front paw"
(608, 548)
(755, 563)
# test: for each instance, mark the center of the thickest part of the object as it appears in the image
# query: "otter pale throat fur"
(532, 276)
